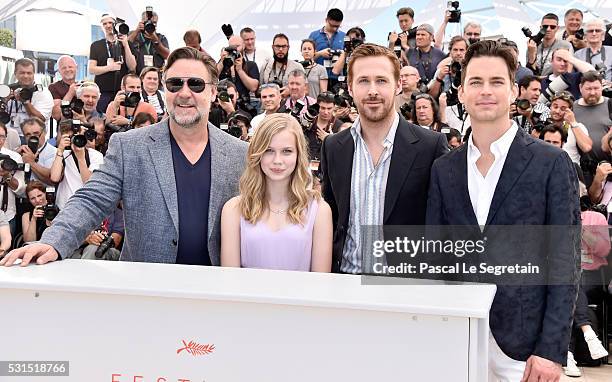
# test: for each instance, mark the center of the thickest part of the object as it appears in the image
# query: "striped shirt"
(368, 186)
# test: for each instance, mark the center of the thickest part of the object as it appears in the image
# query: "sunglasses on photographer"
(196, 85)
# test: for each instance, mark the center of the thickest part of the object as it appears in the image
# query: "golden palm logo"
(196, 349)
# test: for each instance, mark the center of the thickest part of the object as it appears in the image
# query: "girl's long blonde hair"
(253, 201)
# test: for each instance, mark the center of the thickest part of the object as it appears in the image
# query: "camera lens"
(79, 140)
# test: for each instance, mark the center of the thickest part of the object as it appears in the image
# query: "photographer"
(104, 243)
(471, 31)
(73, 165)
(151, 92)
(297, 92)
(539, 55)
(409, 78)
(270, 102)
(407, 37)
(34, 223)
(142, 120)
(89, 94)
(37, 152)
(316, 74)
(526, 109)
(595, 53)
(238, 125)
(450, 67)
(64, 89)
(27, 100)
(276, 69)
(12, 182)
(573, 23)
(225, 103)
(323, 125)
(561, 115)
(329, 39)
(354, 37)
(110, 59)
(127, 103)
(192, 39)
(232, 65)
(562, 77)
(425, 57)
(153, 46)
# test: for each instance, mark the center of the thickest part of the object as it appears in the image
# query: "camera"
(351, 44)
(455, 12)
(9, 164)
(234, 129)
(555, 86)
(78, 139)
(104, 246)
(452, 94)
(228, 31)
(222, 93)
(309, 116)
(406, 110)
(306, 63)
(297, 109)
(537, 38)
(68, 107)
(579, 34)
(132, 99)
(421, 86)
(411, 33)
(244, 104)
(149, 26)
(335, 55)
(50, 209)
(342, 97)
(25, 93)
(232, 55)
(120, 28)
(33, 143)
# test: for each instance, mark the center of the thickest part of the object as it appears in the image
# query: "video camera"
(149, 26)
(25, 93)
(50, 209)
(455, 12)
(120, 28)
(537, 38)
(67, 107)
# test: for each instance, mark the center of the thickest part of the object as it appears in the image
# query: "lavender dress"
(288, 249)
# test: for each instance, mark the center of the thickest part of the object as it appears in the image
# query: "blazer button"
(174, 242)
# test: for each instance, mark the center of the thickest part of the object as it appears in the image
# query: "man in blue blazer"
(503, 176)
(172, 177)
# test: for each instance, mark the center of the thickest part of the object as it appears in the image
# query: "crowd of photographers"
(564, 99)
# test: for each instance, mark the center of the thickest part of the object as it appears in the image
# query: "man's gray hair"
(87, 85)
(298, 73)
(472, 24)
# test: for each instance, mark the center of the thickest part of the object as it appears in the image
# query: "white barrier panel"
(137, 322)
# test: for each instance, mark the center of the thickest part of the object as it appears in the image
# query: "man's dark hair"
(280, 35)
(187, 53)
(526, 81)
(246, 30)
(453, 133)
(511, 44)
(550, 128)
(590, 76)
(573, 10)
(335, 14)
(192, 35)
(24, 62)
(457, 39)
(143, 117)
(490, 48)
(405, 11)
(358, 31)
(325, 97)
(551, 16)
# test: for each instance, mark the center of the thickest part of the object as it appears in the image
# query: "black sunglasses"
(196, 85)
(549, 27)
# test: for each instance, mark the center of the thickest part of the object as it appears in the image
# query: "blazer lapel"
(459, 182)
(343, 161)
(218, 175)
(516, 162)
(161, 157)
(405, 150)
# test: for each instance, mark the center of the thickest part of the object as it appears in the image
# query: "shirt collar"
(582, 103)
(499, 148)
(389, 138)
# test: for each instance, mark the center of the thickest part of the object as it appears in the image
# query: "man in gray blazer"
(173, 179)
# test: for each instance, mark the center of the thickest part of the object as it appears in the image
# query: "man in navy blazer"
(502, 176)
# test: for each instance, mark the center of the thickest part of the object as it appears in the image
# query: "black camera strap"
(4, 205)
(544, 58)
(76, 162)
(602, 54)
(281, 72)
(425, 63)
(145, 97)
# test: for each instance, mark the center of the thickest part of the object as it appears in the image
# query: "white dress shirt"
(482, 188)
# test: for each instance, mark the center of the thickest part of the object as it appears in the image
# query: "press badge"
(148, 60)
(327, 63)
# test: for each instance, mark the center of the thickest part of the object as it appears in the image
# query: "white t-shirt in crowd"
(570, 147)
(72, 177)
(10, 207)
(42, 100)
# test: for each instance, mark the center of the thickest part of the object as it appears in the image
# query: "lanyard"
(247, 59)
(602, 53)
(545, 58)
(281, 73)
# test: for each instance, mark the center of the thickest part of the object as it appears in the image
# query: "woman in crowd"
(151, 92)
(426, 114)
(278, 221)
(316, 74)
(34, 223)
